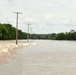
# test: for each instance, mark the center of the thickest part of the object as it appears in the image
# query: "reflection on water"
(42, 58)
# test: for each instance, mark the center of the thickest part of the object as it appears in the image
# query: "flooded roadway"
(42, 58)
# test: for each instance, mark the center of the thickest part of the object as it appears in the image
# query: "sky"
(44, 16)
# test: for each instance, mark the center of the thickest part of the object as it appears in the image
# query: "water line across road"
(42, 57)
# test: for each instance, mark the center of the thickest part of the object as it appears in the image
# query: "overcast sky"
(45, 16)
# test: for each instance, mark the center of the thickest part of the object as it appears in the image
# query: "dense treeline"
(7, 32)
(62, 36)
(39, 36)
(54, 36)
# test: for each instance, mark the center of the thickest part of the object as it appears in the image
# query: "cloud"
(44, 14)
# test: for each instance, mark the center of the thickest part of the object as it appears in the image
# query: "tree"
(60, 36)
(52, 36)
(8, 32)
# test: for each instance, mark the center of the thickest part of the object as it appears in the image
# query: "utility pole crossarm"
(17, 12)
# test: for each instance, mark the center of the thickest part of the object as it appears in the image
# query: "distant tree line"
(39, 36)
(62, 36)
(54, 36)
(8, 32)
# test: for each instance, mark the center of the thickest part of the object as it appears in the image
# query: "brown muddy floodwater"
(42, 57)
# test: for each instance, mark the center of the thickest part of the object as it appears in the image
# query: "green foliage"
(39, 36)
(71, 36)
(8, 32)
(62, 36)
(52, 36)
(42, 36)
(34, 36)
(3, 32)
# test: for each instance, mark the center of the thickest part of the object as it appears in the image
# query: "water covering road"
(42, 58)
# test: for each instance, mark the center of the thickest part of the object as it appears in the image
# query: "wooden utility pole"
(28, 33)
(17, 26)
